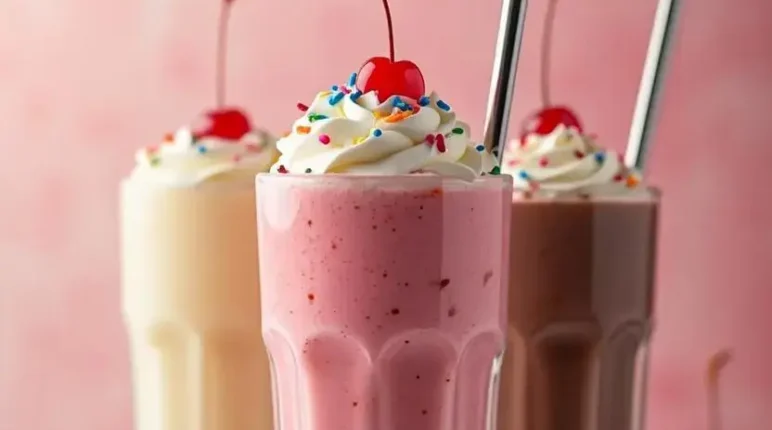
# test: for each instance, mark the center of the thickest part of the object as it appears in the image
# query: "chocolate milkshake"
(583, 239)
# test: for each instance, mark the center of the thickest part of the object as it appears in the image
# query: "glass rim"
(232, 184)
(649, 194)
(405, 178)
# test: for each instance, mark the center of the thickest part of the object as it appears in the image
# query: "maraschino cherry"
(228, 123)
(389, 77)
(550, 116)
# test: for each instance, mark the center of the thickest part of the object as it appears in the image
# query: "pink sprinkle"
(513, 163)
(253, 148)
(237, 158)
(302, 107)
(430, 139)
(544, 161)
(283, 169)
(618, 178)
(579, 154)
(441, 143)
(345, 90)
(325, 139)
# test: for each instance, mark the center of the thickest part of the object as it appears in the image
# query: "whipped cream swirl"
(184, 160)
(565, 162)
(345, 131)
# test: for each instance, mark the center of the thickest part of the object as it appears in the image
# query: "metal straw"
(504, 70)
(651, 82)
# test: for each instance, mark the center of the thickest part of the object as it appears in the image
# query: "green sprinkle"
(155, 162)
(308, 170)
(316, 117)
(496, 171)
(458, 130)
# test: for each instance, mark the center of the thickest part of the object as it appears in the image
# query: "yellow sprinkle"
(358, 140)
(301, 129)
(379, 114)
(325, 93)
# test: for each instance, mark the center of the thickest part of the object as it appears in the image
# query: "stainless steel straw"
(651, 82)
(504, 70)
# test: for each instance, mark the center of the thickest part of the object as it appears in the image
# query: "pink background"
(84, 82)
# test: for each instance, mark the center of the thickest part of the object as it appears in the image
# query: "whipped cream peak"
(346, 131)
(183, 159)
(567, 162)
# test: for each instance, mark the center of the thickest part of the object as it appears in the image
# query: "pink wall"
(84, 82)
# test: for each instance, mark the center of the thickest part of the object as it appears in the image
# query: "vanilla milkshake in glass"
(190, 281)
(583, 238)
(383, 259)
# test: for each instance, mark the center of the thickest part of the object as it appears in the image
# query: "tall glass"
(384, 299)
(192, 307)
(580, 312)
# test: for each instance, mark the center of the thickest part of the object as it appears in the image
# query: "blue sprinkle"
(336, 98)
(480, 148)
(524, 175)
(442, 105)
(201, 149)
(424, 101)
(335, 88)
(600, 157)
(377, 132)
(397, 102)
(352, 80)
(356, 95)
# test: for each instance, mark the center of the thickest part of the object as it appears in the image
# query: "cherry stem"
(391, 29)
(715, 365)
(222, 52)
(546, 51)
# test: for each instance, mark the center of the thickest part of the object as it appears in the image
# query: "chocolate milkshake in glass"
(383, 264)
(583, 239)
(190, 283)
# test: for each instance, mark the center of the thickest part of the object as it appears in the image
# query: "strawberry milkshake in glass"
(383, 261)
(191, 299)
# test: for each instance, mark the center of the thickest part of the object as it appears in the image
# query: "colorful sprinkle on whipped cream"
(567, 163)
(346, 131)
(182, 159)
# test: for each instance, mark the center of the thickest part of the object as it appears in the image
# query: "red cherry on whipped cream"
(224, 123)
(227, 123)
(389, 77)
(548, 119)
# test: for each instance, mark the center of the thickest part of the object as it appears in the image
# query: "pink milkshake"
(383, 263)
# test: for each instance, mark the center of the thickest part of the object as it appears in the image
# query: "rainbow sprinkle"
(356, 95)
(302, 107)
(202, 149)
(302, 129)
(377, 132)
(308, 170)
(458, 130)
(600, 157)
(335, 88)
(424, 101)
(325, 139)
(524, 175)
(360, 139)
(480, 148)
(352, 80)
(442, 105)
(496, 170)
(282, 169)
(316, 117)
(336, 98)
